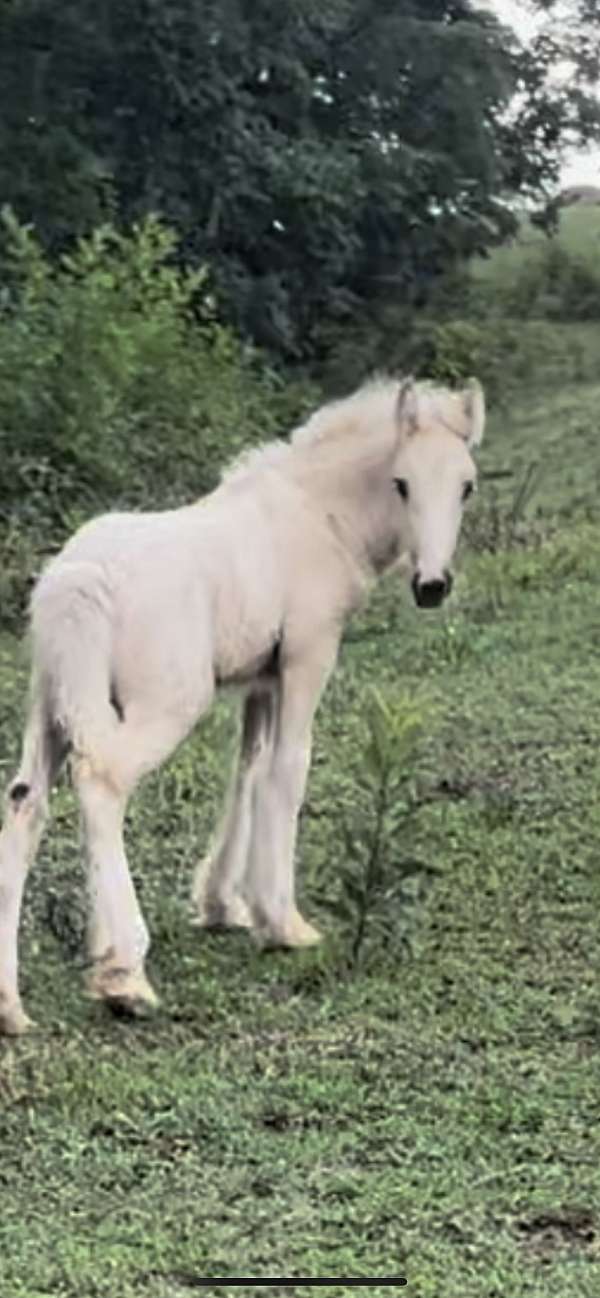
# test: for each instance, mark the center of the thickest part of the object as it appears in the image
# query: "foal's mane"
(351, 420)
(347, 417)
(373, 405)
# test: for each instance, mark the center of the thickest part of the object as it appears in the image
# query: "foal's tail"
(72, 632)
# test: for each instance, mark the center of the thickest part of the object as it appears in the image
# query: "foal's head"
(433, 476)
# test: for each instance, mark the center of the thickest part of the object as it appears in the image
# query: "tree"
(321, 155)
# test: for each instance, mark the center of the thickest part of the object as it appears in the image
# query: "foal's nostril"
(430, 594)
(19, 792)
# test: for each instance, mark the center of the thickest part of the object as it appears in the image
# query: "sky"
(579, 168)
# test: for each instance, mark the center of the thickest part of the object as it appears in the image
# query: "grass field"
(433, 1111)
(578, 233)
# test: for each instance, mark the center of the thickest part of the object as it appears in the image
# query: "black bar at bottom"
(265, 1282)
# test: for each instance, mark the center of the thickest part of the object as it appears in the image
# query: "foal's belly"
(262, 669)
(248, 611)
(247, 650)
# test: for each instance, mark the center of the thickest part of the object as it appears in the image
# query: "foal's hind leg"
(217, 892)
(150, 731)
(25, 816)
(118, 938)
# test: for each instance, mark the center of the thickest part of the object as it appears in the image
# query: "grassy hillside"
(557, 277)
(527, 316)
(432, 1113)
(578, 233)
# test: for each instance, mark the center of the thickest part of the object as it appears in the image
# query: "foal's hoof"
(297, 933)
(222, 914)
(128, 995)
(303, 933)
(14, 1022)
(131, 1007)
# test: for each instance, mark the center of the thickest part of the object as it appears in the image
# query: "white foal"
(143, 616)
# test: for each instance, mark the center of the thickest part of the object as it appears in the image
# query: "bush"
(118, 387)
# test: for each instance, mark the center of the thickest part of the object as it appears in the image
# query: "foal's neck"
(349, 482)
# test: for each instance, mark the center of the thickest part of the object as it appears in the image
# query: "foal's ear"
(473, 401)
(407, 407)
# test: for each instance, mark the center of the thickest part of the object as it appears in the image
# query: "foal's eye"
(468, 490)
(402, 487)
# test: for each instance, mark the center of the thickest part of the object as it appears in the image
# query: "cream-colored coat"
(143, 616)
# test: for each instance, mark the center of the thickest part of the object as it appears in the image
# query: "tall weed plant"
(382, 884)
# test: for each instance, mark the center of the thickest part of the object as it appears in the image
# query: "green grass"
(434, 1114)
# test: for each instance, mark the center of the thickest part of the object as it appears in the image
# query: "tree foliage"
(321, 155)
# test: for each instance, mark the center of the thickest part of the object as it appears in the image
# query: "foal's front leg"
(269, 884)
(217, 891)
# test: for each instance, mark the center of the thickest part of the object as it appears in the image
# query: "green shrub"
(118, 387)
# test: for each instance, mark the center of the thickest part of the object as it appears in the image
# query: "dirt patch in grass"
(555, 1231)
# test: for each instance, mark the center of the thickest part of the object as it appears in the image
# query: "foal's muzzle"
(430, 594)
